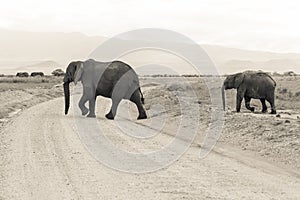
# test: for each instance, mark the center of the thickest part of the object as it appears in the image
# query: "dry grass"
(21, 83)
(288, 92)
(276, 139)
(18, 93)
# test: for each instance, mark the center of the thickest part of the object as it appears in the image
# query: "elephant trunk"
(223, 97)
(67, 96)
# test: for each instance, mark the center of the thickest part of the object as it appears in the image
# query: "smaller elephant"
(251, 84)
(115, 80)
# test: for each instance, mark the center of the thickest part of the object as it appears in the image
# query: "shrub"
(33, 74)
(22, 74)
(290, 73)
(58, 72)
(282, 91)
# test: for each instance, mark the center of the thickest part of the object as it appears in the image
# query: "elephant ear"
(78, 73)
(239, 78)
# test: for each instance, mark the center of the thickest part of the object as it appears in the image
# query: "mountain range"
(43, 51)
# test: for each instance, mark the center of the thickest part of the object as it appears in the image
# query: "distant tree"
(33, 74)
(22, 74)
(290, 73)
(58, 72)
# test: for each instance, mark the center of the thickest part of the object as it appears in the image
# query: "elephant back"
(263, 78)
(115, 73)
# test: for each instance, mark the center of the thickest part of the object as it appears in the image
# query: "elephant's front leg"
(82, 106)
(92, 104)
(91, 97)
(239, 99)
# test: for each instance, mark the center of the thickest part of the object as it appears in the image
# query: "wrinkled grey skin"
(250, 84)
(115, 80)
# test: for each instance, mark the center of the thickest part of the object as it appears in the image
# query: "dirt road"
(42, 157)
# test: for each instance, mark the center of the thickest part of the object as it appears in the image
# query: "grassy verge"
(20, 93)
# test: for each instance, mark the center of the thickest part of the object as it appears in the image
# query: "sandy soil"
(17, 94)
(270, 137)
(42, 156)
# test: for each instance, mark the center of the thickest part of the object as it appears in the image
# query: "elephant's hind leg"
(247, 104)
(271, 100)
(264, 106)
(113, 110)
(135, 98)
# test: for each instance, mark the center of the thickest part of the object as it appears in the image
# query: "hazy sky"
(256, 24)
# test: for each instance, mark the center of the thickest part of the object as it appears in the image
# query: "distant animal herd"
(57, 72)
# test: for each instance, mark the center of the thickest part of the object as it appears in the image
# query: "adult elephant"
(115, 80)
(251, 84)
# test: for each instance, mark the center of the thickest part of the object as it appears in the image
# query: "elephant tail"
(275, 84)
(142, 98)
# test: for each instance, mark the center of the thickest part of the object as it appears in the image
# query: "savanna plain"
(260, 152)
